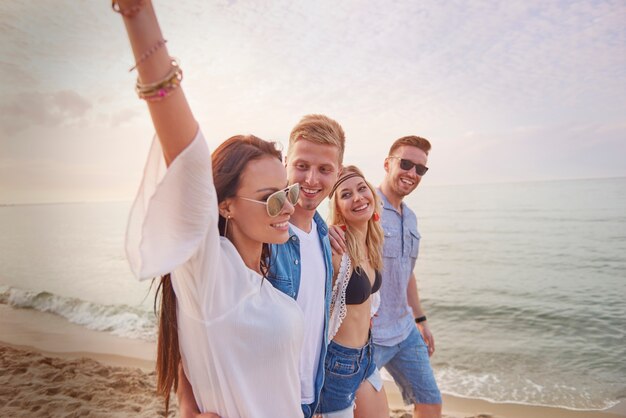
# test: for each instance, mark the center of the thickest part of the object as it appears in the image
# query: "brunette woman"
(203, 222)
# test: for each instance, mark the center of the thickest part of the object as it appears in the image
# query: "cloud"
(123, 116)
(46, 109)
(494, 85)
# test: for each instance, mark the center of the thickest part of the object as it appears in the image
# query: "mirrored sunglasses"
(276, 201)
(407, 165)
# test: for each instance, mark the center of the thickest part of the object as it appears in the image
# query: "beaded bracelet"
(161, 43)
(162, 88)
(130, 12)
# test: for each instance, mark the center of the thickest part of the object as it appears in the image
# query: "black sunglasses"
(407, 165)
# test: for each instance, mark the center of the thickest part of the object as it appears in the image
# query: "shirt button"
(293, 238)
(296, 261)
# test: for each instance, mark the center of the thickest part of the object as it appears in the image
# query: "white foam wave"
(121, 320)
(510, 388)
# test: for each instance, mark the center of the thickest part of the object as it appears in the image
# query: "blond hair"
(373, 249)
(319, 129)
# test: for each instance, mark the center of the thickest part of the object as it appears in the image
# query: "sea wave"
(508, 387)
(121, 320)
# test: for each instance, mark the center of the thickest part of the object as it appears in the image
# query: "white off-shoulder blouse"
(239, 337)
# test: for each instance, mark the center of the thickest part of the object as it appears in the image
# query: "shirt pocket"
(415, 243)
(392, 246)
(342, 366)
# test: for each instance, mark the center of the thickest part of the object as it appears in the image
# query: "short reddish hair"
(412, 141)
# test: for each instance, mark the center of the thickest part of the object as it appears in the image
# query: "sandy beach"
(52, 368)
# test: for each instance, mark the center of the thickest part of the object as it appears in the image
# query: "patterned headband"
(342, 179)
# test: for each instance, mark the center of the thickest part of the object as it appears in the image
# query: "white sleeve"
(174, 213)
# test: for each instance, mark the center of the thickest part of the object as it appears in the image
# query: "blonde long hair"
(373, 249)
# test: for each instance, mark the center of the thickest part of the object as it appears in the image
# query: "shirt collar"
(386, 204)
(321, 225)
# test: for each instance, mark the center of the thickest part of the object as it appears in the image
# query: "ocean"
(524, 284)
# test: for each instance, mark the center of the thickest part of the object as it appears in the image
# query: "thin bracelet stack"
(162, 88)
(131, 12)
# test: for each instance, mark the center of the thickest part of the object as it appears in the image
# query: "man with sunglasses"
(403, 342)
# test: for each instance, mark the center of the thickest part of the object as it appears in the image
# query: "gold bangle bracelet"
(162, 88)
(160, 94)
(175, 70)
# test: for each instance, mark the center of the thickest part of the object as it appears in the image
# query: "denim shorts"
(346, 368)
(409, 365)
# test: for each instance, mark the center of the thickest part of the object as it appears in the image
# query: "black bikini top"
(359, 287)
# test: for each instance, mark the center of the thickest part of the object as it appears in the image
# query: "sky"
(505, 90)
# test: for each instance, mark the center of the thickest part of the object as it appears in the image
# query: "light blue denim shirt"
(395, 319)
(285, 276)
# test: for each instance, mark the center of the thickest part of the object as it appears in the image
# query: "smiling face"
(402, 182)
(355, 201)
(315, 167)
(250, 220)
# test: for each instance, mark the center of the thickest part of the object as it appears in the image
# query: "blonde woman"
(350, 367)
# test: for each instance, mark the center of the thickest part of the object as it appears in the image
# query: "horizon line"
(130, 199)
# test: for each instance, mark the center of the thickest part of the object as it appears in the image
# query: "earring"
(376, 217)
(226, 225)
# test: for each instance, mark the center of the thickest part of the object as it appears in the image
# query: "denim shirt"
(395, 320)
(284, 275)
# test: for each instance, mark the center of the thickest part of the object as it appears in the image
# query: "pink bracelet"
(149, 52)
(161, 94)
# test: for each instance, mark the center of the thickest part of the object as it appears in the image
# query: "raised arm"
(171, 115)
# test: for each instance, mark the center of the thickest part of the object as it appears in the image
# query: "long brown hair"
(374, 236)
(228, 161)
